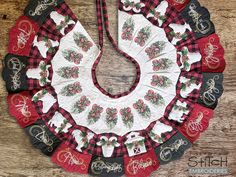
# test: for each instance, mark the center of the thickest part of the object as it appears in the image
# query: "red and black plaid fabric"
(39, 104)
(50, 25)
(103, 11)
(193, 48)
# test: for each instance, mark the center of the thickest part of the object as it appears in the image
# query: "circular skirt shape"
(55, 96)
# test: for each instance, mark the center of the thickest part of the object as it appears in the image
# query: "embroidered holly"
(154, 98)
(128, 29)
(161, 81)
(185, 58)
(84, 139)
(155, 49)
(143, 35)
(157, 15)
(156, 137)
(81, 105)
(135, 144)
(142, 108)
(95, 114)
(49, 45)
(63, 125)
(72, 56)
(111, 117)
(39, 95)
(162, 64)
(64, 23)
(135, 5)
(187, 84)
(43, 73)
(71, 89)
(178, 35)
(127, 117)
(180, 108)
(82, 41)
(68, 72)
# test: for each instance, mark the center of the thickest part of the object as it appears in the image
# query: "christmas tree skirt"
(55, 96)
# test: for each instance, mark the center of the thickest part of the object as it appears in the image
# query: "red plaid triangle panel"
(212, 54)
(197, 122)
(141, 165)
(22, 108)
(21, 36)
(71, 160)
(179, 4)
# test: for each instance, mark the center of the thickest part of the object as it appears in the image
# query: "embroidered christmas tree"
(143, 35)
(154, 98)
(71, 89)
(142, 108)
(127, 117)
(128, 29)
(95, 114)
(162, 64)
(111, 117)
(161, 81)
(80, 105)
(68, 72)
(82, 41)
(72, 56)
(155, 49)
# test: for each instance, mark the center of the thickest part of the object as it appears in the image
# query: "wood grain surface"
(19, 159)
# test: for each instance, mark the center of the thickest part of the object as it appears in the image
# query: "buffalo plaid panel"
(195, 67)
(39, 104)
(50, 25)
(190, 106)
(189, 39)
(196, 92)
(165, 136)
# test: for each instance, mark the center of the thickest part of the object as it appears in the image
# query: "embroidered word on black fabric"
(55, 96)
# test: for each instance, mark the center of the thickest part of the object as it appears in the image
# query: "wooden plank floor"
(19, 159)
